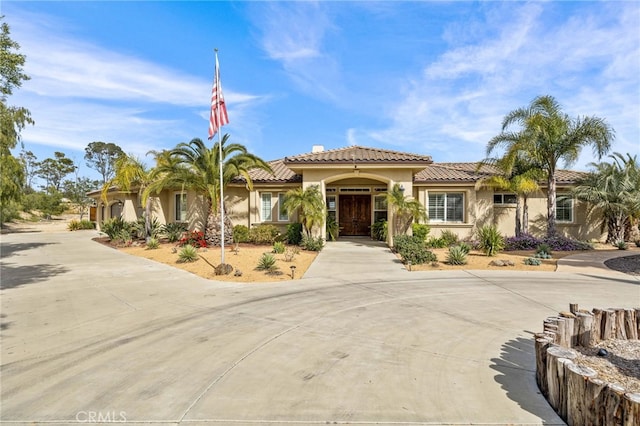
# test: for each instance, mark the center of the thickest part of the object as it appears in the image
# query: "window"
(265, 207)
(504, 198)
(379, 208)
(331, 206)
(446, 207)
(283, 215)
(116, 209)
(181, 207)
(564, 208)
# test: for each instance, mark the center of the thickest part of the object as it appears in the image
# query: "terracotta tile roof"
(281, 174)
(358, 154)
(569, 176)
(453, 172)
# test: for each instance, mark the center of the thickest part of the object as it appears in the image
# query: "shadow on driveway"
(516, 369)
(15, 276)
(9, 249)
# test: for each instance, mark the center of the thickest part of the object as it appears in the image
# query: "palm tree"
(547, 136)
(615, 189)
(132, 173)
(195, 166)
(515, 175)
(406, 210)
(309, 205)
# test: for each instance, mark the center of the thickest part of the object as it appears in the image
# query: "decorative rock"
(237, 273)
(223, 269)
(504, 262)
(603, 352)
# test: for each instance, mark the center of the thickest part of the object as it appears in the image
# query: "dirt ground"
(244, 260)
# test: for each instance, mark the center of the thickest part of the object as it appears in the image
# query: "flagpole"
(220, 160)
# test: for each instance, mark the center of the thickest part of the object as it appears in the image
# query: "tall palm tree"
(309, 205)
(132, 174)
(615, 189)
(405, 208)
(515, 175)
(549, 136)
(195, 166)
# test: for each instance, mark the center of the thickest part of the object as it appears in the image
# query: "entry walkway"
(360, 256)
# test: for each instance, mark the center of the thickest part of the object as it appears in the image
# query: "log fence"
(575, 392)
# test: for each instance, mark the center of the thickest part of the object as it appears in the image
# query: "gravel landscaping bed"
(628, 264)
(621, 365)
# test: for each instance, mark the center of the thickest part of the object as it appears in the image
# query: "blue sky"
(432, 78)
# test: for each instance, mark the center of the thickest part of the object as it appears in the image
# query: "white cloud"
(589, 63)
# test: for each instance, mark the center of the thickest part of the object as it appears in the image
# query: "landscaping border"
(575, 392)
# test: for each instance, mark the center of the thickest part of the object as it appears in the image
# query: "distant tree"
(31, 165)
(76, 191)
(548, 136)
(54, 170)
(12, 119)
(102, 157)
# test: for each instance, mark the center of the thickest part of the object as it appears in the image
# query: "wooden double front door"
(355, 214)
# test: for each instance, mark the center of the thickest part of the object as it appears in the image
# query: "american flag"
(218, 117)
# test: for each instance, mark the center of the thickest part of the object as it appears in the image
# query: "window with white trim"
(446, 207)
(564, 208)
(504, 198)
(379, 207)
(265, 206)
(283, 215)
(332, 206)
(180, 199)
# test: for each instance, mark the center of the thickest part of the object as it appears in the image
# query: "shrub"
(267, 262)
(457, 256)
(332, 228)
(465, 247)
(621, 244)
(543, 248)
(139, 227)
(436, 243)
(113, 226)
(294, 233)
(76, 225)
(263, 234)
(637, 243)
(379, 230)
(290, 253)
(153, 244)
(194, 239)
(411, 249)
(449, 238)
(173, 231)
(562, 243)
(532, 261)
(123, 237)
(188, 253)
(420, 230)
(240, 234)
(311, 243)
(542, 255)
(523, 242)
(278, 247)
(491, 241)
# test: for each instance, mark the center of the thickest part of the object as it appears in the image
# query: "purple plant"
(523, 242)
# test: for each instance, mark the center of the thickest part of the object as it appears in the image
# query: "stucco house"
(354, 181)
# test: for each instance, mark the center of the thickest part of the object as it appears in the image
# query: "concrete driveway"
(90, 334)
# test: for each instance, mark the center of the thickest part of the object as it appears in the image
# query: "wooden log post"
(631, 409)
(611, 408)
(585, 324)
(630, 326)
(541, 345)
(557, 357)
(577, 405)
(592, 397)
(597, 325)
(620, 325)
(608, 327)
(573, 308)
(638, 321)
